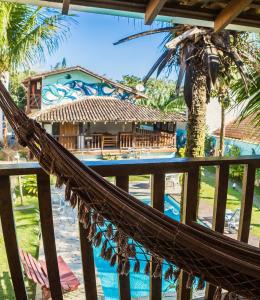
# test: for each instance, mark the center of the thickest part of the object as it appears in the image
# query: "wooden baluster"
(246, 203)
(10, 240)
(88, 265)
(158, 190)
(134, 141)
(48, 237)
(123, 280)
(218, 222)
(189, 214)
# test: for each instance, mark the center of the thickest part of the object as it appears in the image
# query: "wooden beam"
(229, 13)
(152, 10)
(65, 7)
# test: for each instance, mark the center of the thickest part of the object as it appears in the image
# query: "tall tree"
(160, 93)
(27, 33)
(198, 52)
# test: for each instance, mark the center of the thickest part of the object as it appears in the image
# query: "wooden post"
(10, 240)
(88, 265)
(158, 190)
(189, 214)
(246, 203)
(218, 222)
(123, 280)
(48, 237)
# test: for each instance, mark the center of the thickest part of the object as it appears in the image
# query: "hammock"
(130, 231)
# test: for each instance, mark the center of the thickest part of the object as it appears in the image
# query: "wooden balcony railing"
(122, 170)
(120, 141)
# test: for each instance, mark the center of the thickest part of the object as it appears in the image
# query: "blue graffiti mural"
(75, 89)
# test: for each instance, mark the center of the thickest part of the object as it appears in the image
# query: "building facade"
(85, 112)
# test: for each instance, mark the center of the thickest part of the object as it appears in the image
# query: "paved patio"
(67, 243)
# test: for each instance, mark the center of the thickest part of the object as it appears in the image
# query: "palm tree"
(222, 92)
(199, 54)
(61, 64)
(160, 93)
(249, 98)
(26, 34)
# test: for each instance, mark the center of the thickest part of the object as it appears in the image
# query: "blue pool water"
(137, 155)
(139, 282)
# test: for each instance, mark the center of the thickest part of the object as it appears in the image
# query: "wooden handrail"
(138, 167)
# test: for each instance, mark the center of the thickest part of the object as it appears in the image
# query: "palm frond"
(188, 87)
(144, 33)
(165, 61)
(180, 77)
(248, 100)
(240, 66)
(29, 33)
(187, 34)
(213, 62)
(155, 66)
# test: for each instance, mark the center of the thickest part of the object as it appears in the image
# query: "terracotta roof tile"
(244, 130)
(101, 109)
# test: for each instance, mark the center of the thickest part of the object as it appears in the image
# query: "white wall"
(48, 128)
(213, 115)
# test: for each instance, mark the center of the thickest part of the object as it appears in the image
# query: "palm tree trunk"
(196, 126)
(222, 131)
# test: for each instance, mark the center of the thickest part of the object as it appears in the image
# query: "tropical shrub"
(30, 185)
(235, 171)
(210, 144)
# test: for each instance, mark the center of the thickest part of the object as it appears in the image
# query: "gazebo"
(107, 123)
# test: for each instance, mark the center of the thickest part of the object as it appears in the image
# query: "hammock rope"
(130, 232)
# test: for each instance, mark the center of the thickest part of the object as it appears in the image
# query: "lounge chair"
(37, 272)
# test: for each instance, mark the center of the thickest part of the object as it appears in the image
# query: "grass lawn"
(27, 230)
(233, 198)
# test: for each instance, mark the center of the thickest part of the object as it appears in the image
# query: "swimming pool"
(134, 155)
(139, 282)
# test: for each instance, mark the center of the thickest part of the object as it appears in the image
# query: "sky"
(90, 45)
